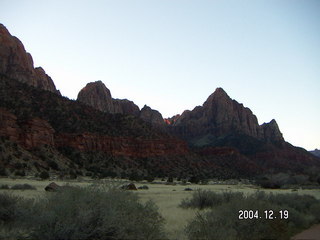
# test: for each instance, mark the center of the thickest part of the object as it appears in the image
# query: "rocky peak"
(172, 120)
(152, 116)
(97, 95)
(16, 63)
(126, 106)
(218, 95)
(272, 132)
(221, 116)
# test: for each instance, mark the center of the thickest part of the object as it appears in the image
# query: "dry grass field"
(166, 197)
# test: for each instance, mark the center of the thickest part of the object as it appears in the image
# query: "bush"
(222, 221)
(12, 208)
(194, 179)
(3, 172)
(23, 187)
(44, 175)
(170, 180)
(7, 208)
(4, 186)
(53, 165)
(90, 213)
(20, 173)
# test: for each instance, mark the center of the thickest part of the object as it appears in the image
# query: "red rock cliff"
(31, 133)
(37, 132)
(16, 63)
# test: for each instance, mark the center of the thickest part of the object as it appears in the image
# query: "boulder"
(144, 187)
(130, 186)
(52, 187)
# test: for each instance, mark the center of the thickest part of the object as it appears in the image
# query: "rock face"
(30, 133)
(125, 106)
(152, 116)
(316, 152)
(16, 63)
(220, 116)
(96, 94)
(37, 132)
(123, 146)
(271, 132)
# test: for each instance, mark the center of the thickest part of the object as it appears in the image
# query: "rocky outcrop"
(152, 116)
(125, 106)
(123, 146)
(220, 116)
(98, 96)
(29, 133)
(271, 132)
(16, 63)
(37, 132)
(172, 120)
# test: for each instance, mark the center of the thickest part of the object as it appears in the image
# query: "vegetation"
(81, 213)
(23, 187)
(44, 175)
(222, 221)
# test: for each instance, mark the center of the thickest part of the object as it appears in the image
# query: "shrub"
(53, 165)
(4, 186)
(194, 179)
(170, 180)
(23, 187)
(12, 208)
(8, 205)
(222, 221)
(3, 172)
(44, 175)
(20, 173)
(85, 213)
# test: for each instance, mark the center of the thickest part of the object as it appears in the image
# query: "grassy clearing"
(166, 197)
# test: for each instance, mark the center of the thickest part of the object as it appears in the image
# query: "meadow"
(167, 197)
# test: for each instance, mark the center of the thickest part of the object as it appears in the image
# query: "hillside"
(100, 136)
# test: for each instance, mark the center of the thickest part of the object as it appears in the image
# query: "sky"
(172, 54)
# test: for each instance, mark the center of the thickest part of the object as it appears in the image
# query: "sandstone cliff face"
(152, 116)
(123, 146)
(96, 94)
(30, 133)
(220, 116)
(125, 106)
(36, 132)
(271, 132)
(16, 63)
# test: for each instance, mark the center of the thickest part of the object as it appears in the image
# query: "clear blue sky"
(172, 54)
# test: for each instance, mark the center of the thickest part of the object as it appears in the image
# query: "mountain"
(97, 135)
(98, 96)
(315, 152)
(16, 63)
(218, 117)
